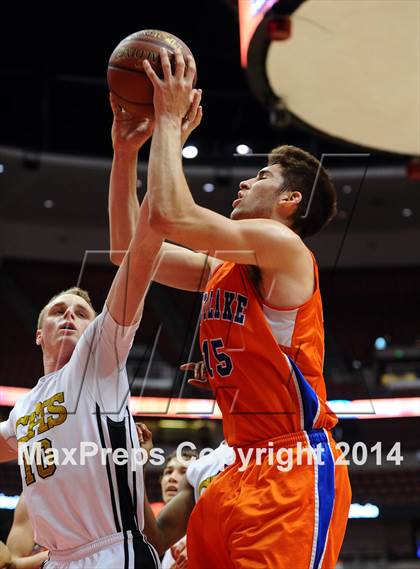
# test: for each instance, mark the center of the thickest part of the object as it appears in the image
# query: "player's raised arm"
(178, 267)
(128, 136)
(128, 290)
(172, 207)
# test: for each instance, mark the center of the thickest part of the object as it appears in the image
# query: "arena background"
(55, 153)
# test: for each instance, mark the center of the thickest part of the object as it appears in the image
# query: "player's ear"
(296, 197)
(290, 198)
(288, 202)
(38, 337)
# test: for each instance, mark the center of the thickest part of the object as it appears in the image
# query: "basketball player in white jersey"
(87, 510)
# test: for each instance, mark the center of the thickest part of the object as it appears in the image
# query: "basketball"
(126, 77)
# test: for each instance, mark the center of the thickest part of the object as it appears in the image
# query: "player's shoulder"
(271, 234)
(42, 387)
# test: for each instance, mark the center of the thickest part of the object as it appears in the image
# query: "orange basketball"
(126, 77)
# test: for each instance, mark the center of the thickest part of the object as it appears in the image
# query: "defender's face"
(257, 196)
(172, 476)
(65, 320)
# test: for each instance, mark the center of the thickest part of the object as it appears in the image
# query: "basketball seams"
(126, 77)
(130, 70)
(152, 43)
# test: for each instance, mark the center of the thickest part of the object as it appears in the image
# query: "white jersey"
(84, 404)
(201, 472)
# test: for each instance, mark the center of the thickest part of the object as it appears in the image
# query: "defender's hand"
(145, 437)
(200, 379)
(128, 132)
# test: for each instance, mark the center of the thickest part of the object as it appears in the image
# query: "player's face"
(65, 320)
(257, 196)
(172, 476)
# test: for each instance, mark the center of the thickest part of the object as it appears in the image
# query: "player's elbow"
(160, 221)
(169, 222)
(116, 257)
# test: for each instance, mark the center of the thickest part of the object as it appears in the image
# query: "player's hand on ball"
(128, 132)
(172, 94)
(200, 379)
(193, 117)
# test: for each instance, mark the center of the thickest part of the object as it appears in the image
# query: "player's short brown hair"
(300, 171)
(73, 290)
(187, 454)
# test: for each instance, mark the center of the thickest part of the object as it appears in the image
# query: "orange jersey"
(264, 363)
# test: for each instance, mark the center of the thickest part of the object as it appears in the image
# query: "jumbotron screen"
(251, 12)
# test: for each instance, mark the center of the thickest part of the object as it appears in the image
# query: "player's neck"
(54, 362)
(284, 221)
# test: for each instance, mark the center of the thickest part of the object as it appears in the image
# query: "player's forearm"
(170, 199)
(123, 205)
(173, 518)
(20, 541)
(5, 557)
(126, 296)
(31, 562)
(151, 528)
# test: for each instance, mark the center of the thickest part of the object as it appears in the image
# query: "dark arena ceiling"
(53, 73)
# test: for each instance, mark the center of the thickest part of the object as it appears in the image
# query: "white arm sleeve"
(99, 360)
(104, 346)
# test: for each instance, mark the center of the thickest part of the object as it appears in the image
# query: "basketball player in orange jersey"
(262, 340)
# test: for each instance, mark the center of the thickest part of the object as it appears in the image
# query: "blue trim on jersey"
(310, 400)
(325, 490)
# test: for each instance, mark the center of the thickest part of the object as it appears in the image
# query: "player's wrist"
(126, 152)
(169, 120)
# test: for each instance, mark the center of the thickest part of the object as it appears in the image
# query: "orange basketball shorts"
(264, 516)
